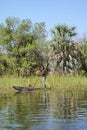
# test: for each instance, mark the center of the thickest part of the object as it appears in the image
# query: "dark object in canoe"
(19, 88)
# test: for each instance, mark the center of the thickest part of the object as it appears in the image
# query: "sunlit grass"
(60, 82)
(67, 81)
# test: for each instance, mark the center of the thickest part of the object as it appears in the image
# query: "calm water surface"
(44, 110)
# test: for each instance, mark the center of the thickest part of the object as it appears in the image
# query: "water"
(44, 110)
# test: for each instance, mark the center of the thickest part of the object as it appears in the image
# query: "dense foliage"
(24, 48)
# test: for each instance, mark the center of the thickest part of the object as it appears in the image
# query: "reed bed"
(67, 81)
(56, 82)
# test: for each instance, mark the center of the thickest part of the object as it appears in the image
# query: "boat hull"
(20, 88)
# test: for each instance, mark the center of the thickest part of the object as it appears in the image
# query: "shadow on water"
(62, 109)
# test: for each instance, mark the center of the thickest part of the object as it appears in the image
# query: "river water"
(44, 110)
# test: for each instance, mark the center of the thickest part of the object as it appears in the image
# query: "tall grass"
(67, 81)
(61, 82)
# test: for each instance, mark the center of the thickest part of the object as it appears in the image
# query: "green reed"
(67, 81)
(61, 82)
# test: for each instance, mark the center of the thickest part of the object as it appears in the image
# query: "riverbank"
(60, 82)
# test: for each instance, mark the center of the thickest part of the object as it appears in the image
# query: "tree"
(21, 41)
(64, 47)
(83, 54)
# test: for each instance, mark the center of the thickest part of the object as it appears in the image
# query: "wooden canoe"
(20, 88)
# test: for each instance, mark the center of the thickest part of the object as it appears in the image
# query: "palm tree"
(64, 47)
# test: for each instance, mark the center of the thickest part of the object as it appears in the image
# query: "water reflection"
(65, 104)
(44, 110)
(44, 101)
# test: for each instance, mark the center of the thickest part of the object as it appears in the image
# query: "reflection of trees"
(4, 102)
(69, 105)
(30, 109)
(28, 106)
(44, 100)
(82, 99)
(30, 102)
(65, 104)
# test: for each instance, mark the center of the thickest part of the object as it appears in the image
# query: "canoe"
(20, 88)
